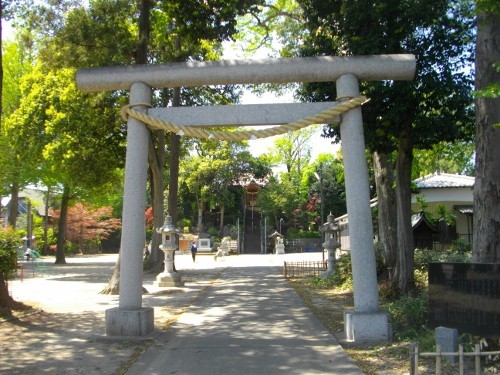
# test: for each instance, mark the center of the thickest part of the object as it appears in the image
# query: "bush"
(8, 252)
(293, 233)
(341, 278)
(454, 255)
(461, 247)
(409, 316)
(213, 231)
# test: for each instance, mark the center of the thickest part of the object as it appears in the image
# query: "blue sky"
(319, 144)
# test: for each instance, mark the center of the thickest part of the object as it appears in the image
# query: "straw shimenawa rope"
(320, 118)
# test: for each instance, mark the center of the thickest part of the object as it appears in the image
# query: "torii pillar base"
(129, 323)
(367, 326)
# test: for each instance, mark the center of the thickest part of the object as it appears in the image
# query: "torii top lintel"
(252, 71)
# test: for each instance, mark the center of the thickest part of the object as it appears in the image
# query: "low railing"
(304, 268)
(477, 354)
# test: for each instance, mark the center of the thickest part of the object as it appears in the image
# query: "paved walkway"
(247, 321)
(250, 321)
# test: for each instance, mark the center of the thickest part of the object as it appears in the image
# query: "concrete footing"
(367, 326)
(137, 322)
(169, 280)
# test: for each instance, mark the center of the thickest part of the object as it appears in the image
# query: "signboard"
(465, 296)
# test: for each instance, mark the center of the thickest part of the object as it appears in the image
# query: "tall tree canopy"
(71, 139)
(16, 63)
(434, 107)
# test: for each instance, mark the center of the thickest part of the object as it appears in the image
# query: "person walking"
(194, 250)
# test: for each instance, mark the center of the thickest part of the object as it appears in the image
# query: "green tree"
(15, 65)
(79, 147)
(106, 32)
(278, 199)
(5, 15)
(436, 106)
(293, 151)
(486, 245)
(223, 192)
(200, 172)
(447, 157)
(211, 172)
(329, 172)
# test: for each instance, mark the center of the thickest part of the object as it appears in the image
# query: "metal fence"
(304, 268)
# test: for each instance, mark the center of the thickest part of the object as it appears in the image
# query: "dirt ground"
(384, 359)
(64, 333)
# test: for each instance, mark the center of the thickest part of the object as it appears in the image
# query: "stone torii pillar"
(130, 318)
(366, 322)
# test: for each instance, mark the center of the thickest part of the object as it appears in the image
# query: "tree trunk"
(5, 299)
(200, 216)
(156, 153)
(113, 286)
(141, 53)
(387, 223)
(173, 186)
(486, 240)
(80, 241)
(13, 205)
(29, 224)
(141, 58)
(173, 179)
(405, 261)
(156, 165)
(45, 248)
(61, 233)
(221, 228)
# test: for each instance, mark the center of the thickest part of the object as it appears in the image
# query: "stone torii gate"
(366, 322)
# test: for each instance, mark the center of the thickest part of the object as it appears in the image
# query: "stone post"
(130, 318)
(447, 338)
(366, 322)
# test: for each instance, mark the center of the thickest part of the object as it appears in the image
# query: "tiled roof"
(417, 219)
(444, 180)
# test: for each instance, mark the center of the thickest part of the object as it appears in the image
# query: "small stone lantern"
(331, 244)
(168, 245)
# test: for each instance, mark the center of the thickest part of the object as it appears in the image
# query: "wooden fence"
(477, 354)
(304, 268)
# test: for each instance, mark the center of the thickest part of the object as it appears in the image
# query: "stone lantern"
(169, 244)
(331, 244)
